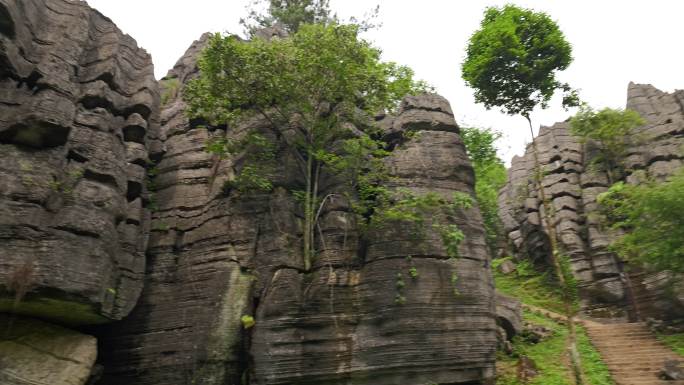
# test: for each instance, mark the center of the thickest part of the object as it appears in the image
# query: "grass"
(550, 355)
(529, 286)
(674, 341)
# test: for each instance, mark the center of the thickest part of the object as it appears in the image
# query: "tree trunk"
(307, 213)
(549, 223)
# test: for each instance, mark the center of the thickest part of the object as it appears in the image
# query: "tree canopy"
(651, 215)
(490, 177)
(319, 66)
(611, 129)
(313, 84)
(512, 60)
(289, 13)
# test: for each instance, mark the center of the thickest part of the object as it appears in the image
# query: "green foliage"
(674, 341)
(170, 88)
(413, 272)
(257, 161)
(318, 66)
(570, 293)
(309, 87)
(399, 298)
(612, 129)
(247, 321)
(529, 286)
(480, 145)
(290, 13)
(595, 370)
(454, 283)
(407, 207)
(490, 177)
(512, 60)
(452, 237)
(651, 215)
(549, 355)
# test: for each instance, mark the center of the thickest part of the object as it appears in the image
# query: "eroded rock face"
(573, 186)
(78, 119)
(509, 315)
(34, 352)
(216, 255)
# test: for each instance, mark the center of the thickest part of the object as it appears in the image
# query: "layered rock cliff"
(78, 113)
(216, 255)
(573, 185)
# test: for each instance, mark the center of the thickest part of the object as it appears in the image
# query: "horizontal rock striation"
(216, 255)
(78, 123)
(573, 185)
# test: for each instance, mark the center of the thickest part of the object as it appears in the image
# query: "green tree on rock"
(319, 90)
(289, 13)
(611, 129)
(511, 62)
(490, 177)
(651, 216)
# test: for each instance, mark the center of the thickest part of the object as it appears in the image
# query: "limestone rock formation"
(37, 353)
(216, 255)
(573, 187)
(509, 315)
(78, 123)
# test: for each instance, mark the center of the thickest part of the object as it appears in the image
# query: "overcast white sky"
(614, 42)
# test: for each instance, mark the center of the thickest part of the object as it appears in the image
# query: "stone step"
(632, 353)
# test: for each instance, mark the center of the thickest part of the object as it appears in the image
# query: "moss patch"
(529, 286)
(58, 310)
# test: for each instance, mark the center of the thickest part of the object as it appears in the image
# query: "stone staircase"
(632, 353)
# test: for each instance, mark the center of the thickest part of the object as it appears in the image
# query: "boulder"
(37, 353)
(507, 267)
(509, 315)
(672, 371)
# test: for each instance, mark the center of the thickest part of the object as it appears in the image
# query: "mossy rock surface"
(62, 309)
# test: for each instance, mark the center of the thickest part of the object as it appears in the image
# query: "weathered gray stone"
(216, 256)
(507, 267)
(509, 315)
(37, 353)
(672, 371)
(79, 99)
(573, 184)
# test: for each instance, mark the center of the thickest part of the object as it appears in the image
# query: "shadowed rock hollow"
(215, 255)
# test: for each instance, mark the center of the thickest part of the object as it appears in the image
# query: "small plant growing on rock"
(454, 282)
(413, 272)
(248, 321)
(612, 129)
